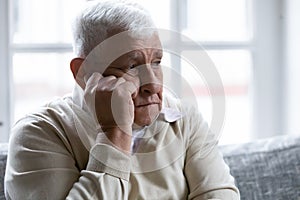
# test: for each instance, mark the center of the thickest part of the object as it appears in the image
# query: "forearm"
(106, 176)
(93, 185)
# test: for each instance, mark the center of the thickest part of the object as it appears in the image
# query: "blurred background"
(254, 45)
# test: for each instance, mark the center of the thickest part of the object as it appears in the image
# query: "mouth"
(146, 104)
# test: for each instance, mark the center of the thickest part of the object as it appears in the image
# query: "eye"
(132, 66)
(156, 63)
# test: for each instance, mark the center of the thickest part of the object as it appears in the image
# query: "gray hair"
(101, 18)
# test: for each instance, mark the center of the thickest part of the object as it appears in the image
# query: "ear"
(75, 65)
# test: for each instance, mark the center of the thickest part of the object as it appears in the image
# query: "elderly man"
(116, 137)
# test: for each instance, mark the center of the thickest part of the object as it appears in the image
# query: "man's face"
(143, 65)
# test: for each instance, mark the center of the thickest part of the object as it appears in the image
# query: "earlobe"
(75, 66)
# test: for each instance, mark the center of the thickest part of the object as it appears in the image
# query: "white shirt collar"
(170, 114)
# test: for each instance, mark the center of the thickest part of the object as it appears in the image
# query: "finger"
(90, 91)
(134, 79)
(106, 83)
(110, 83)
(107, 79)
(130, 87)
(118, 82)
(93, 80)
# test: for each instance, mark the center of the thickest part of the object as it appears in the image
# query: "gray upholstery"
(264, 170)
(3, 156)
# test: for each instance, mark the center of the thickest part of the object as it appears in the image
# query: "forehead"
(136, 47)
(151, 42)
(124, 45)
(144, 38)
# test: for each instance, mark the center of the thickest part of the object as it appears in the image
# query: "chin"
(144, 116)
(143, 122)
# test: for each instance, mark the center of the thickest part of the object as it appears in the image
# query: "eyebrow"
(158, 53)
(136, 54)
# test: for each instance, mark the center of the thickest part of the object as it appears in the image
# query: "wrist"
(119, 137)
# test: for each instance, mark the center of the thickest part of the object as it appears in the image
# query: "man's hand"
(114, 108)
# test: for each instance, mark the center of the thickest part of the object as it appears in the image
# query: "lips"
(147, 101)
(146, 104)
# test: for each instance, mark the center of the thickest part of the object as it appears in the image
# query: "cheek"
(159, 75)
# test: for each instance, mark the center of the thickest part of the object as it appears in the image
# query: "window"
(217, 20)
(41, 52)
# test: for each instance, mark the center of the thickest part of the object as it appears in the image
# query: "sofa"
(266, 169)
(3, 156)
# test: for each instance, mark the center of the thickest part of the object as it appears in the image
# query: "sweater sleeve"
(207, 174)
(41, 165)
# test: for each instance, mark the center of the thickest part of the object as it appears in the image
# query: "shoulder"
(44, 123)
(49, 111)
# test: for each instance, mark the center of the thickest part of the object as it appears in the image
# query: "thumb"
(90, 92)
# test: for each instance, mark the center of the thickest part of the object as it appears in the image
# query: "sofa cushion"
(266, 169)
(3, 156)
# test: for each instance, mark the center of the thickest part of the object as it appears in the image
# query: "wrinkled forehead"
(127, 41)
(121, 44)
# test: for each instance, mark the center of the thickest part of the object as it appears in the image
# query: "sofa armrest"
(266, 169)
(3, 157)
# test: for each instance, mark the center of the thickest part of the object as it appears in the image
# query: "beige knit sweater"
(53, 155)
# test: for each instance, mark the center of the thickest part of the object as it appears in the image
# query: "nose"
(150, 81)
